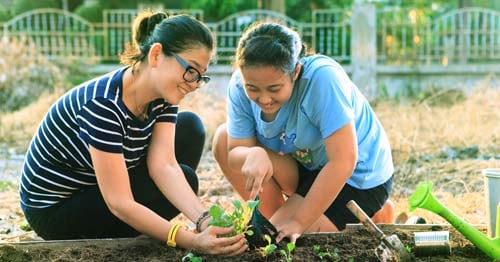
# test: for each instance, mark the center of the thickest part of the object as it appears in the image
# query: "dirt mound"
(356, 244)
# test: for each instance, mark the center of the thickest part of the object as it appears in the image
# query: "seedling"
(287, 254)
(323, 254)
(238, 218)
(267, 250)
(190, 257)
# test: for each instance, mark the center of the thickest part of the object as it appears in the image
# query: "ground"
(356, 244)
(446, 145)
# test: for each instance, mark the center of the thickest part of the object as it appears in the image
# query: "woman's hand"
(257, 169)
(289, 228)
(208, 242)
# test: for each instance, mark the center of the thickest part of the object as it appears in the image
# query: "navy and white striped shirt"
(58, 162)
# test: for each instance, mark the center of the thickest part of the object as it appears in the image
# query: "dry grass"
(17, 128)
(210, 108)
(416, 129)
(417, 132)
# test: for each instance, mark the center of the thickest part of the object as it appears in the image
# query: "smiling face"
(169, 73)
(269, 87)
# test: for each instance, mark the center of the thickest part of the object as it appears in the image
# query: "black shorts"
(370, 200)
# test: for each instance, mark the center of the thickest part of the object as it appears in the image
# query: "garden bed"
(354, 244)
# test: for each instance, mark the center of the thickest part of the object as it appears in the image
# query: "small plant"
(190, 257)
(323, 254)
(238, 218)
(269, 248)
(408, 248)
(6, 185)
(287, 254)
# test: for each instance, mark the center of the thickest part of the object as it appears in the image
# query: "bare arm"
(113, 181)
(167, 174)
(114, 185)
(252, 161)
(341, 150)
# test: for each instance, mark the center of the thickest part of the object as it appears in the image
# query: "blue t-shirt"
(324, 99)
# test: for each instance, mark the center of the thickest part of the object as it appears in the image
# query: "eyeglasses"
(192, 74)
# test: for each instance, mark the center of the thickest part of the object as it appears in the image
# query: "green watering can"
(423, 198)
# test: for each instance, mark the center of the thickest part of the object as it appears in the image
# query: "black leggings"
(85, 214)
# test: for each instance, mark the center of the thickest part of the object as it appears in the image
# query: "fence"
(469, 35)
(367, 41)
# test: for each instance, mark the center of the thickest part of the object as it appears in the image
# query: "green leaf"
(237, 204)
(215, 212)
(252, 204)
(270, 249)
(268, 239)
(192, 258)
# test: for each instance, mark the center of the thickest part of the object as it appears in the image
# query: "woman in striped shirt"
(113, 158)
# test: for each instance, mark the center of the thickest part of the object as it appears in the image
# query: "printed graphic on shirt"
(303, 156)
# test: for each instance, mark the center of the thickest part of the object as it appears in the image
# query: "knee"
(219, 142)
(386, 214)
(191, 177)
(190, 122)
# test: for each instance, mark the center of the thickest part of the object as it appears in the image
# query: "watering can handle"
(363, 218)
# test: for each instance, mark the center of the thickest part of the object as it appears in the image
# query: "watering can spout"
(423, 198)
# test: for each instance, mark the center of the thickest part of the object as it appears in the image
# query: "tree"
(216, 10)
(21, 6)
(274, 5)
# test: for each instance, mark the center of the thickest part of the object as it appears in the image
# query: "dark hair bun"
(147, 25)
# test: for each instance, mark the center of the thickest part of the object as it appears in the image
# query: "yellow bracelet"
(171, 235)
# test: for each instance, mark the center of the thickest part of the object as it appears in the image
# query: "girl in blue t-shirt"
(113, 157)
(302, 137)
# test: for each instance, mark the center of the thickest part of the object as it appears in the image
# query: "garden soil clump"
(354, 244)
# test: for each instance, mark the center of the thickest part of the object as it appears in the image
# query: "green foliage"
(327, 253)
(4, 14)
(287, 254)
(75, 71)
(296, 8)
(238, 218)
(6, 186)
(269, 248)
(21, 6)
(91, 12)
(25, 226)
(26, 74)
(216, 10)
(191, 258)
(73, 4)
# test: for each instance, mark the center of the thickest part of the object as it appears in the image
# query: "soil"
(355, 244)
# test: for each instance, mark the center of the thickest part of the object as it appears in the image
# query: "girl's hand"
(257, 169)
(290, 229)
(208, 242)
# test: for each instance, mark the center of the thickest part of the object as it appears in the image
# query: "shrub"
(25, 75)
(4, 14)
(21, 6)
(91, 12)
